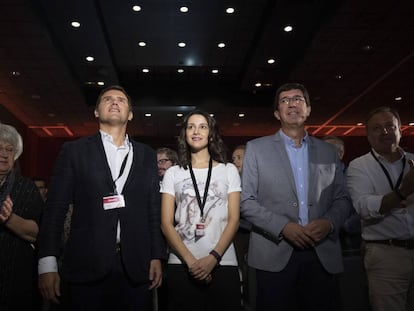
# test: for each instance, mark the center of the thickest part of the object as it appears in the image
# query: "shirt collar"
(380, 157)
(290, 142)
(108, 138)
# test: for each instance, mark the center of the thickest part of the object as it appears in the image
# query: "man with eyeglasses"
(381, 184)
(293, 194)
(112, 258)
(166, 158)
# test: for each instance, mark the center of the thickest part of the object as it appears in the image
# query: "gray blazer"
(269, 200)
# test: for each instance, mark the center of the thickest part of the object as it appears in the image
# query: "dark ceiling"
(352, 55)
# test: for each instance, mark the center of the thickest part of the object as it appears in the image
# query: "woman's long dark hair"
(216, 147)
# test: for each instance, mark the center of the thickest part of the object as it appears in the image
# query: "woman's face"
(7, 153)
(197, 132)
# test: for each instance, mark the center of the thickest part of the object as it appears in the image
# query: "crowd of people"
(189, 229)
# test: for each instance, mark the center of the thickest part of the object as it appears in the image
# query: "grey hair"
(10, 135)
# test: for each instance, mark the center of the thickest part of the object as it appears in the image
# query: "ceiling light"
(181, 44)
(180, 70)
(271, 61)
(147, 114)
(136, 8)
(145, 70)
(411, 124)
(258, 84)
(184, 9)
(338, 76)
(211, 114)
(214, 71)
(142, 43)
(75, 24)
(360, 123)
(90, 58)
(367, 47)
(221, 45)
(241, 115)
(101, 83)
(15, 73)
(179, 114)
(230, 10)
(288, 28)
(398, 98)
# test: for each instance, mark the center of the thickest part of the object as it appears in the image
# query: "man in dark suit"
(294, 196)
(112, 257)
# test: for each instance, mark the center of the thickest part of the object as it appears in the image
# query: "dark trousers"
(302, 285)
(113, 293)
(187, 294)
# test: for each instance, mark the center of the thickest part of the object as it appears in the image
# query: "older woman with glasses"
(20, 210)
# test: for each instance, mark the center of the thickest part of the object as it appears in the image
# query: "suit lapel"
(99, 151)
(312, 167)
(283, 161)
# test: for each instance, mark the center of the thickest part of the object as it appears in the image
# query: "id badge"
(113, 201)
(200, 230)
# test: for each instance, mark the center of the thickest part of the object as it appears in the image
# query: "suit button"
(295, 204)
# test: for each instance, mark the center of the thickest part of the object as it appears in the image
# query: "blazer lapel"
(284, 161)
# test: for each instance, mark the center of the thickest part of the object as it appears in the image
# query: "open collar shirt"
(367, 184)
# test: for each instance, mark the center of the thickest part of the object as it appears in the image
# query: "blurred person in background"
(20, 210)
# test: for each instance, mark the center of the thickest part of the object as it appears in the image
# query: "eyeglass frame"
(163, 161)
(296, 99)
(8, 150)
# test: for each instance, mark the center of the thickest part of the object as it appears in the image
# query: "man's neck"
(296, 134)
(391, 155)
(118, 133)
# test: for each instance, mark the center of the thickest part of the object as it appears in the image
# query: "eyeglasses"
(380, 129)
(163, 161)
(7, 150)
(295, 99)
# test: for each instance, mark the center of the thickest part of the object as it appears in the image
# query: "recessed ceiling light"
(101, 83)
(136, 8)
(271, 61)
(75, 24)
(338, 76)
(147, 114)
(211, 114)
(221, 45)
(214, 71)
(230, 10)
(90, 58)
(411, 124)
(181, 44)
(241, 115)
(360, 123)
(258, 84)
(288, 28)
(398, 98)
(180, 70)
(51, 114)
(15, 73)
(142, 43)
(367, 47)
(145, 70)
(179, 114)
(184, 9)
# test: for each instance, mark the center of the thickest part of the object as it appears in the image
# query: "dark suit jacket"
(269, 200)
(82, 177)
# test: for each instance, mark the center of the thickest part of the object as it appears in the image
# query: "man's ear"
(130, 116)
(96, 113)
(276, 114)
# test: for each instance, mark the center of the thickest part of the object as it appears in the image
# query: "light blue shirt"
(299, 161)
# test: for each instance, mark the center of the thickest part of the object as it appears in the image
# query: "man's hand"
(299, 236)
(155, 273)
(49, 286)
(318, 229)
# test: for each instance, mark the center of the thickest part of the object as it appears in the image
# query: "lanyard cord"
(121, 171)
(201, 204)
(397, 184)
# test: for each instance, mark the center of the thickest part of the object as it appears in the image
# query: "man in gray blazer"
(293, 194)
